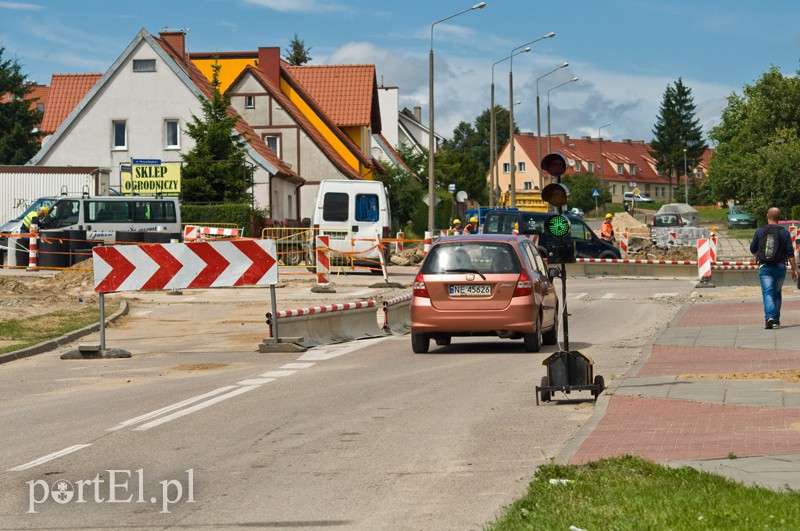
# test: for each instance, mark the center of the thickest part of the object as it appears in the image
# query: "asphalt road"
(199, 430)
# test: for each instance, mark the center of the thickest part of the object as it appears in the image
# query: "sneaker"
(770, 324)
(776, 324)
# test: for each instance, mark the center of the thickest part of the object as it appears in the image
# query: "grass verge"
(631, 493)
(39, 328)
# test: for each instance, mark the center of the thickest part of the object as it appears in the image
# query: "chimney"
(176, 40)
(269, 62)
(418, 113)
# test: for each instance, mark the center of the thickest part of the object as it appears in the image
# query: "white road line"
(49, 457)
(255, 381)
(197, 407)
(609, 296)
(173, 407)
(576, 296)
(142, 313)
(333, 351)
(276, 374)
(664, 295)
(297, 365)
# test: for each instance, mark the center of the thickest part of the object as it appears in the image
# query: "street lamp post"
(431, 134)
(685, 178)
(548, 108)
(602, 166)
(512, 162)
(539, 121)
(493, 176)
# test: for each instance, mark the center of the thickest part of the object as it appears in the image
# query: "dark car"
(483, 285)
(587, 244)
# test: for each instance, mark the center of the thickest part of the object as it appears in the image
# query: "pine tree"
(298, 53)
(19, 140)
(677, 130)
(216, 169)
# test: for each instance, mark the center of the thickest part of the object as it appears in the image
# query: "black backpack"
(769, 245)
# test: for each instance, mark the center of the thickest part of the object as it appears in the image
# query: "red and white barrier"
(704, 258)
(713, 244)
(795, 243)
(427, 242)
(196, 232)
(326, 309)
(323, 259)
(33, 246)
(623, 244)
(398, 245)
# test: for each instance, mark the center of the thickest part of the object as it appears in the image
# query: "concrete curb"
(52, 344)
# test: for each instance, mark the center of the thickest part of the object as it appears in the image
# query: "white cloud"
(19, 6)
(295, 6)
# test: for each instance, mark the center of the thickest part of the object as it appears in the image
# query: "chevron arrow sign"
(165, 266)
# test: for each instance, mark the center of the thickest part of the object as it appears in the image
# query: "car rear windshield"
(483, 257)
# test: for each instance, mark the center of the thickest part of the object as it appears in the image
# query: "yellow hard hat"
(44, 210)
(609, 215)
(456, 221)
(473, 219)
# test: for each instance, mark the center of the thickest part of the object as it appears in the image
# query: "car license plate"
(470, 290)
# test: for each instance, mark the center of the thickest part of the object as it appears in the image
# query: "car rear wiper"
(465, 271)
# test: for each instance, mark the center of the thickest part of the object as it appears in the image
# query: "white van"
(103, 217)
(352, 214)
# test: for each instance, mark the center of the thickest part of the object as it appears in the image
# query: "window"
(335, 206)
(249, 102)
(527, 185)
(521, 166)
(274, 143)
(632, 169)
(590, 167)
(613, 189)
(119, 140)
(506, 167)
(620, 168)
(578, 166)
(171, 134)
(144, 65)
(367, 207)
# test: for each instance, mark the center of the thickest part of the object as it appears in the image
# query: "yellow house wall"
(531, 172)
(229, 71)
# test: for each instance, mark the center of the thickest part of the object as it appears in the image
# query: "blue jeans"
(771, 278)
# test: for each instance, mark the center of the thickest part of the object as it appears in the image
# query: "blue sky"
(624, 52)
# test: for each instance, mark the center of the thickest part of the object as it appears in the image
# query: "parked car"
(627, 197)
(483, 285)
(738, 217)
(577, 212)
(587, 244)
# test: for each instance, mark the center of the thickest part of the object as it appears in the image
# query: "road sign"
(636, 192)
(154, 162)
(184, 265)
(596, 192)
(451, 188)
(425, 200)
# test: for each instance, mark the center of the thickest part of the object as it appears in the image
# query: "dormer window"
(620, 169)
(632, 169)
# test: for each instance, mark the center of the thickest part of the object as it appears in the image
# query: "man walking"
(772, 247)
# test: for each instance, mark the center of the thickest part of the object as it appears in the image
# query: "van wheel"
(291, 255)
(551, 336)
(607, 254)
(533, 341)
(420, 343)
(311, 261)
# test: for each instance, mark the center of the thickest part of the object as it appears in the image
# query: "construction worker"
(607, 229)
(28, 219)
(456, 228)
(516, 228)
(472, 226)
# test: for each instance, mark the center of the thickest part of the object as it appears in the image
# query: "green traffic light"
(557, 225)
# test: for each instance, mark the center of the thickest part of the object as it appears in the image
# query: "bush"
(241, 215)
(795, 212)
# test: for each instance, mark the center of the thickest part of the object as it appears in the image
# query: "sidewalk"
(744, 429)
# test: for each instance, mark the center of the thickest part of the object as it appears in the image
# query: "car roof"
(506, 238)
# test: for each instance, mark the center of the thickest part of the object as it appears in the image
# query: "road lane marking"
(255, 381)
(49, 457)
(172, 407)
(297, 365)
(197, 407)
(664, 295)
(576, 296)
(276, 374)
(333, 351)
(610, 296)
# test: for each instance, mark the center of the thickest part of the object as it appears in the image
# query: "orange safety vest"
(606, 230)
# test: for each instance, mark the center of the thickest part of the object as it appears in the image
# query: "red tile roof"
(66, 91)
(346, 92)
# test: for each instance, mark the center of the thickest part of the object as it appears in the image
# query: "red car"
(483, 285)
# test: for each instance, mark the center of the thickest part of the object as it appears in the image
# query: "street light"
(548, 109)
(538, 120)
(685, 178)
(513, 163)
(602, 169)
(493, 176)
(431, 135)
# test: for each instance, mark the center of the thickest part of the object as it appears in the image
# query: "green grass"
(34, 330)
(632, 493)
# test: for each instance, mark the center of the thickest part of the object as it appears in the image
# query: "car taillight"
(418, 287)
(524, 285)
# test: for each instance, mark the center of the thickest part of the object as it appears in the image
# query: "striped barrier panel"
(196, 232)
(428, 241)
(623, 244)
(33, 246)
(713, 247)
(398, 245)
(795, 243)
(397, 314)
(704, 258)
(323, 259)
(324, 325)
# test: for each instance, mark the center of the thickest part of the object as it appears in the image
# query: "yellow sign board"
(152, 179)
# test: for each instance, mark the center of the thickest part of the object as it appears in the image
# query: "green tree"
(677, 133)
(297, 54)
(580, 187)
(19, 140)
(216, 169)
(755, 160)
(405, 189)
